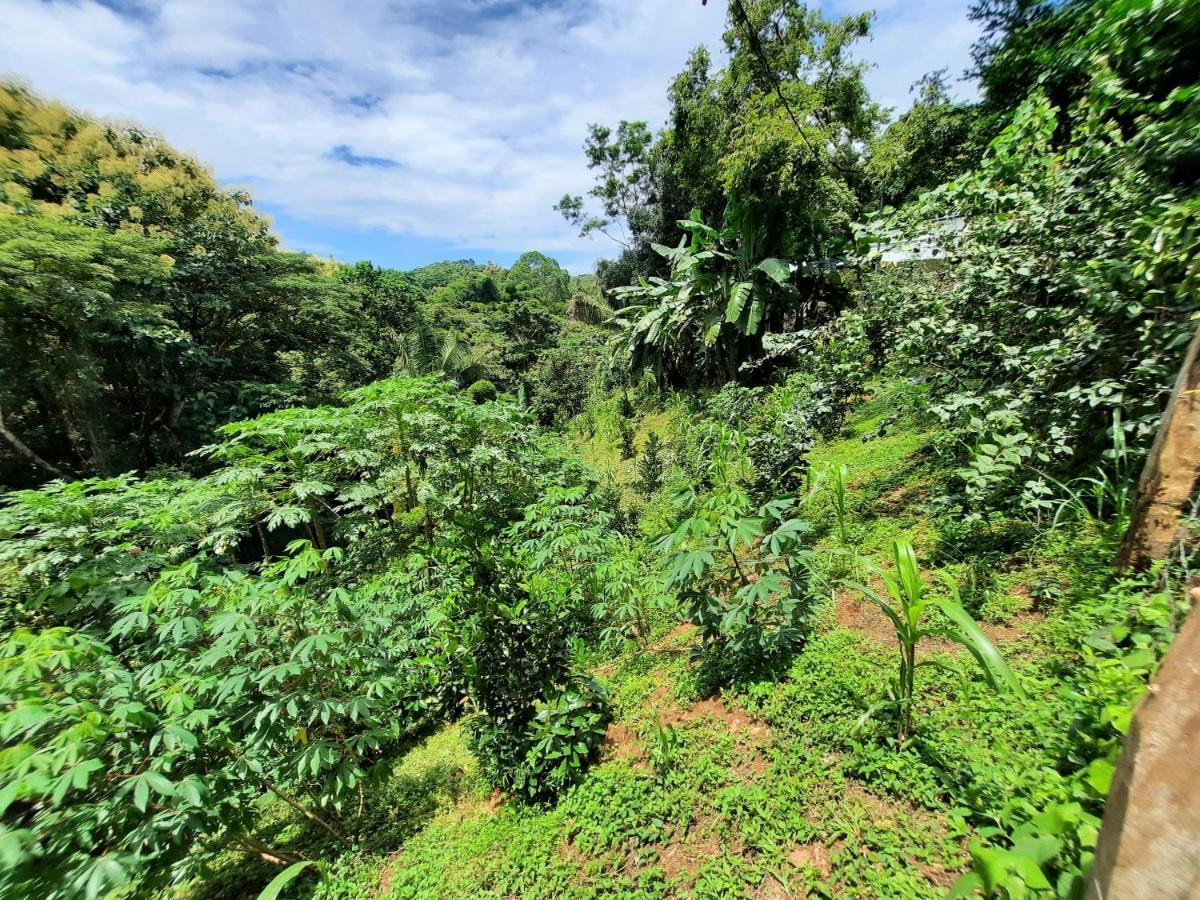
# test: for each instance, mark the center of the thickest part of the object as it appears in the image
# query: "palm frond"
(590, 310)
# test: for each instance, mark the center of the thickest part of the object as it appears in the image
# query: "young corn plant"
(665, 749)
(835, 481)
(905, 606)
(839, 480)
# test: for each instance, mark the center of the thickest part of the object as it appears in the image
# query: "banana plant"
(694, 321)
(905, 607)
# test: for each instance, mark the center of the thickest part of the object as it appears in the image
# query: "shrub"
(564, 734)
(733, 404)
(565, 376)
(780, 453)
(512, 636)
(650, 466)
(625, 430)
(482, 391)
(742, 574)
(1029, 346)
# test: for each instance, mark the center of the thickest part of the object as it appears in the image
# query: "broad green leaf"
(738, 296)
(1100, 775)
(286, 877)
(754, 319)
(778, 270)
(971, 636)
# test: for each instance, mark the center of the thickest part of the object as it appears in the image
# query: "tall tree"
(71, 298)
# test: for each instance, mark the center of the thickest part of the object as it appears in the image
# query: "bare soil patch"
(620, 742)
(686, 856)
(861, 615)
(677, 639)
(815, 856)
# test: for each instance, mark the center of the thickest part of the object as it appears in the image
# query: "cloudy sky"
(411, 130)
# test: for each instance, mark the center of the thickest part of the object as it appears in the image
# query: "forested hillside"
(144, 305)
(775, 558)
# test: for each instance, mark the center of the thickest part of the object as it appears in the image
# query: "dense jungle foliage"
(773, 559)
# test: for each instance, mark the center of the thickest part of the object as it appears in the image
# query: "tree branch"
(25, 450)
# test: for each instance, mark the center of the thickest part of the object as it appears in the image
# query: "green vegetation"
(906, 613)
(776, 567)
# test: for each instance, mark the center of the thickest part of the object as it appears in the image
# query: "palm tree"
(426, 350)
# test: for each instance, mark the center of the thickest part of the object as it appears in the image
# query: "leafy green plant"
(625, 406)
(538, 720)
(906, 609)
(650, 466)
(569, 537)
(625, 432)
(838, 478)
(565, 733)
(286, 877)
(1040, 382)
(481, 391)
(179, 650)
(665, 748)
(742, 572)
(1047, 849)
(693, 324)
(1103, 500)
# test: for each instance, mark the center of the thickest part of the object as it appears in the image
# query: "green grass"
(892, 477)
(600, 444)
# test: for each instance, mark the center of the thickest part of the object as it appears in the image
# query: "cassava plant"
(741, 571)
(906, 610)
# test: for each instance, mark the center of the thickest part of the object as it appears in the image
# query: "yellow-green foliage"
(66, 164)
(890, 475)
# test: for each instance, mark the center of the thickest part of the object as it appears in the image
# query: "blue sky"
(407, 131)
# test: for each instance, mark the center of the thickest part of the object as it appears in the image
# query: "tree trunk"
(262, 539)
(318, 530)
(25, 450)
(1149, 846)
(1169, 477)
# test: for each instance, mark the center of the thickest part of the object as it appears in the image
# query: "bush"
(482, 391)
(650, 467)
(565, 376)
(628, 451)
(734, 404)
(552, 751)
(512, 636)
(1032, 349)
(780, 454)
(743, 575)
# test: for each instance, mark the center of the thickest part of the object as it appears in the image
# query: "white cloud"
(481, 104)
(909, 40)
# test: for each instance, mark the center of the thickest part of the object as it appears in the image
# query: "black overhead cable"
(756, 46)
